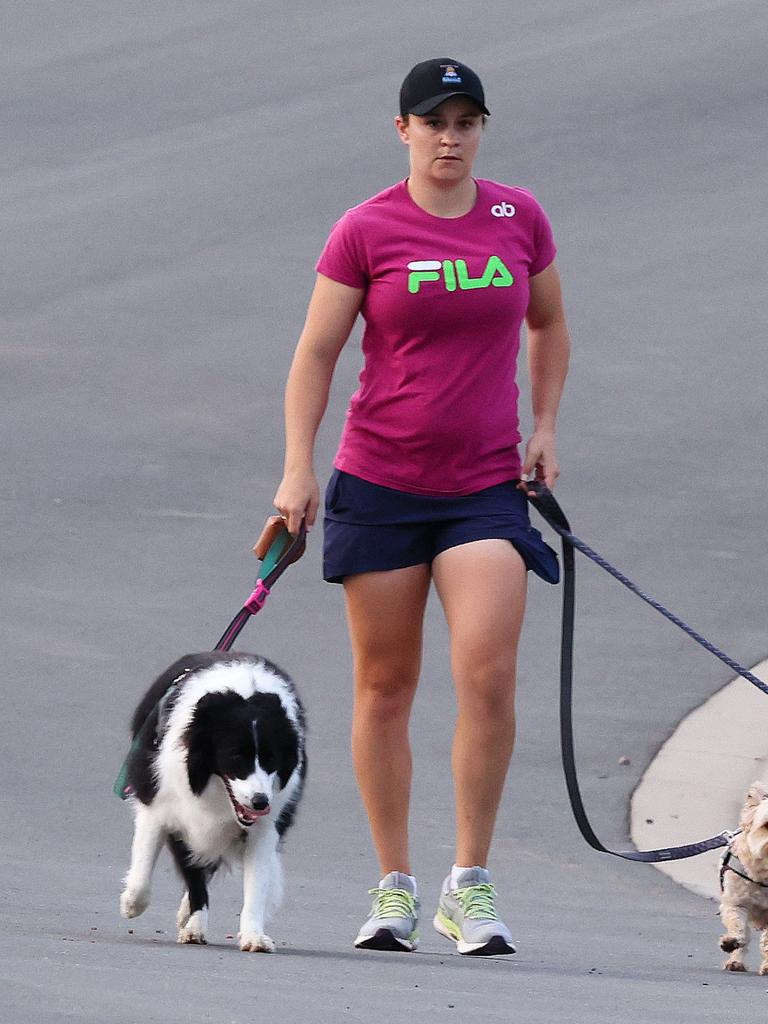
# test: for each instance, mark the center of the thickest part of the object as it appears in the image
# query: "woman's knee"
(384, 689)
(487, 687)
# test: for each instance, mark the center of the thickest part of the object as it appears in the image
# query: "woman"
(443, 267)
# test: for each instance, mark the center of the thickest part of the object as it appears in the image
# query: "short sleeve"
(544, 246)
(343, 257)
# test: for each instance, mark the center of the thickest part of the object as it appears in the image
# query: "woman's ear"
(401, 127)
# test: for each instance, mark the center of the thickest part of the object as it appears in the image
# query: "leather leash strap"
(278, 549)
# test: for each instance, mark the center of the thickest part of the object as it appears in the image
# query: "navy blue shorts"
(369, 528)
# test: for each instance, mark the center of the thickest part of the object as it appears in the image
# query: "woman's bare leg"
(482, 586)
(385, 612)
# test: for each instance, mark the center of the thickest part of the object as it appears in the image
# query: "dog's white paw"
(134, 902)
(734, 965)
(763, 968)
(253, 942)
(193, 931)
(182, 915)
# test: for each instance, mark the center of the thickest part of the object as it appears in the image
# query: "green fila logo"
(454, 275)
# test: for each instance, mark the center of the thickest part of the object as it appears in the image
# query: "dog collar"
(725, 865)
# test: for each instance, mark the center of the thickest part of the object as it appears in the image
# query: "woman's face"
(443, 143)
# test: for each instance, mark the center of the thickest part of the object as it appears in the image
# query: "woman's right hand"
(297, 498)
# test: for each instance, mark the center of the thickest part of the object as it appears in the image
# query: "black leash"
(544, 502)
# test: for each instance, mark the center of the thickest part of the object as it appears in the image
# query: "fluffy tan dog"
(744, 901)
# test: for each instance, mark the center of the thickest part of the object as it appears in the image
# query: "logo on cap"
(450, 75)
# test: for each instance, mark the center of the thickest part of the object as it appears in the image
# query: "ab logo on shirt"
(454, 274)
(503, 210)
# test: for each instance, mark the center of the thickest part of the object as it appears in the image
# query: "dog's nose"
(259, 801)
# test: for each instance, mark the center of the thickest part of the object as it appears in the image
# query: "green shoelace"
(477, 901)
(392, 903)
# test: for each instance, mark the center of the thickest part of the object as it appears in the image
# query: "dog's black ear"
(199, 740)
(288, 751)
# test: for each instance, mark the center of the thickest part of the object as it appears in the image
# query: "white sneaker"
(467, 915)
(394, 916)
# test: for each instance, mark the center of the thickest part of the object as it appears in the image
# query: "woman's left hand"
(541, 459)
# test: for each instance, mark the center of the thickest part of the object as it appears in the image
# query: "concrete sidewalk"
(695, 785)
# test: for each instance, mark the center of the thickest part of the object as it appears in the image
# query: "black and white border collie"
(217, 774)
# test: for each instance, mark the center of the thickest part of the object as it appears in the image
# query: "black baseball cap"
(431, 82)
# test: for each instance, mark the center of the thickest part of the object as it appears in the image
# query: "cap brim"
(434, 101)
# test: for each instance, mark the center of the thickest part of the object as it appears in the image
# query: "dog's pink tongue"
(251, 815)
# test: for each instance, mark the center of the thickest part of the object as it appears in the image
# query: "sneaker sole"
(495, 946)
(386, 940)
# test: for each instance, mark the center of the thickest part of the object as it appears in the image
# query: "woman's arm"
(330, 316)
(549, 347)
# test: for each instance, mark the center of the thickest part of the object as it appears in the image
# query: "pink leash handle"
(282, 550)
(256, 601)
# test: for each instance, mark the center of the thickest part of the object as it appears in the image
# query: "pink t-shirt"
(436, 410)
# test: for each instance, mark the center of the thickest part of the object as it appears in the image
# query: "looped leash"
(544, 502)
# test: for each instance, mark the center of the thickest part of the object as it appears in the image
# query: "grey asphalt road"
(169, 172)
